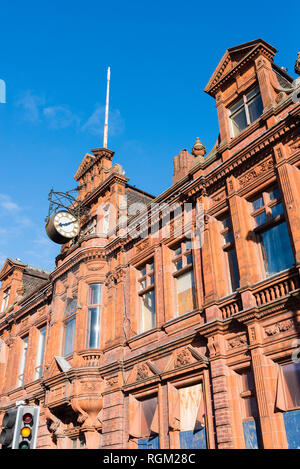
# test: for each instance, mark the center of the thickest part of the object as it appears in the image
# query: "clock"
(62, 227)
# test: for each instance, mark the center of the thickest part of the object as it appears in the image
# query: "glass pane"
(239, 121)
(258, 203)
(188, 245)
(178, 264)
(277, 210)
(23, 356)
(71, 306)
(151, 279)
(261, 219)
(148, 311)
(274, 193)
(151, 267)
(226, 223)
(186, 295)
(40, 352)
(95, 294)
(252, 93)
(143, 284)
(143, 271)
(189, 259)
(277, 249)
(228, 237)
(69, 335)
(291, 374)
(255, 108)
(233, 269)
(94, 327)
(177, 252)
(236, 106)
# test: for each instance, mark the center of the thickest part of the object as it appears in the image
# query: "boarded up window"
(186, 292)
(143, 417)
(291, 375)
(148, 311)
(191, 407)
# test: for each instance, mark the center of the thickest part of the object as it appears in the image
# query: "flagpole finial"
(106, 110)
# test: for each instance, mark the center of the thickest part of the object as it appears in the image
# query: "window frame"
(5, 300)
(38, 370)
(286, 387)
(227, 247)
(245, 105)
(259, 229)
(185, 268)
(67, 319)
(23, 360)
(145, 289)
(90, 306)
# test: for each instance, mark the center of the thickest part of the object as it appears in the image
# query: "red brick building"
(157, 340)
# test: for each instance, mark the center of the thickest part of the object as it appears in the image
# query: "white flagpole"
(106, 110)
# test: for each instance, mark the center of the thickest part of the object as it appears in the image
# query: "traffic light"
(8, 428)
(20, 428)
(26, 427)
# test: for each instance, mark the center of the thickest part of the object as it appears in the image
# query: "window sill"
(144, 338)
(184, 321)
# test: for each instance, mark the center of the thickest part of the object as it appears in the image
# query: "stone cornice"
(82, 254)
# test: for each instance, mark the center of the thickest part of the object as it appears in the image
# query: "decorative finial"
(297, 64)
(198, 148)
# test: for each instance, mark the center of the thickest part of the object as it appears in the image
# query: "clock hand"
(66, 224)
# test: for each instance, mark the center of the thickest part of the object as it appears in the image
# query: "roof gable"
(8, 266)
(234, 58)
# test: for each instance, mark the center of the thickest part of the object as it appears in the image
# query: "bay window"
(184, 278)
(230, 254)
(271, 231)
(146, 293)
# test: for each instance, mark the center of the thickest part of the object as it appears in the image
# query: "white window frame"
(40, 353)
(245, 106)
(22, 367)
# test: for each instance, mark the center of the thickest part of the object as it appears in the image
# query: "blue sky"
(53, 58)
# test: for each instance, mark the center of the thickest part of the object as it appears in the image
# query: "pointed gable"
(143, 371)
(8, 267)
(234, 58)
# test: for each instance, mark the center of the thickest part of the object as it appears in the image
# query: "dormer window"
(245, 111)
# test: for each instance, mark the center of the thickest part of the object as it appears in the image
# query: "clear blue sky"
(53, 58)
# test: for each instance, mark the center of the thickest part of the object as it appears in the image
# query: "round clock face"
(66, 224)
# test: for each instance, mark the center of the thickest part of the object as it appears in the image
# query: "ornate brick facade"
(203, 375)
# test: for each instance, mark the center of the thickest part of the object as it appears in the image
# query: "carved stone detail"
(114, 277)
(112, 381)
(279, 327)
(183, 357)
(250, 175)
(142, 245)
(236, 342)
(143, 372)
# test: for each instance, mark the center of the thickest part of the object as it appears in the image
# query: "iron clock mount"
(65, 212)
